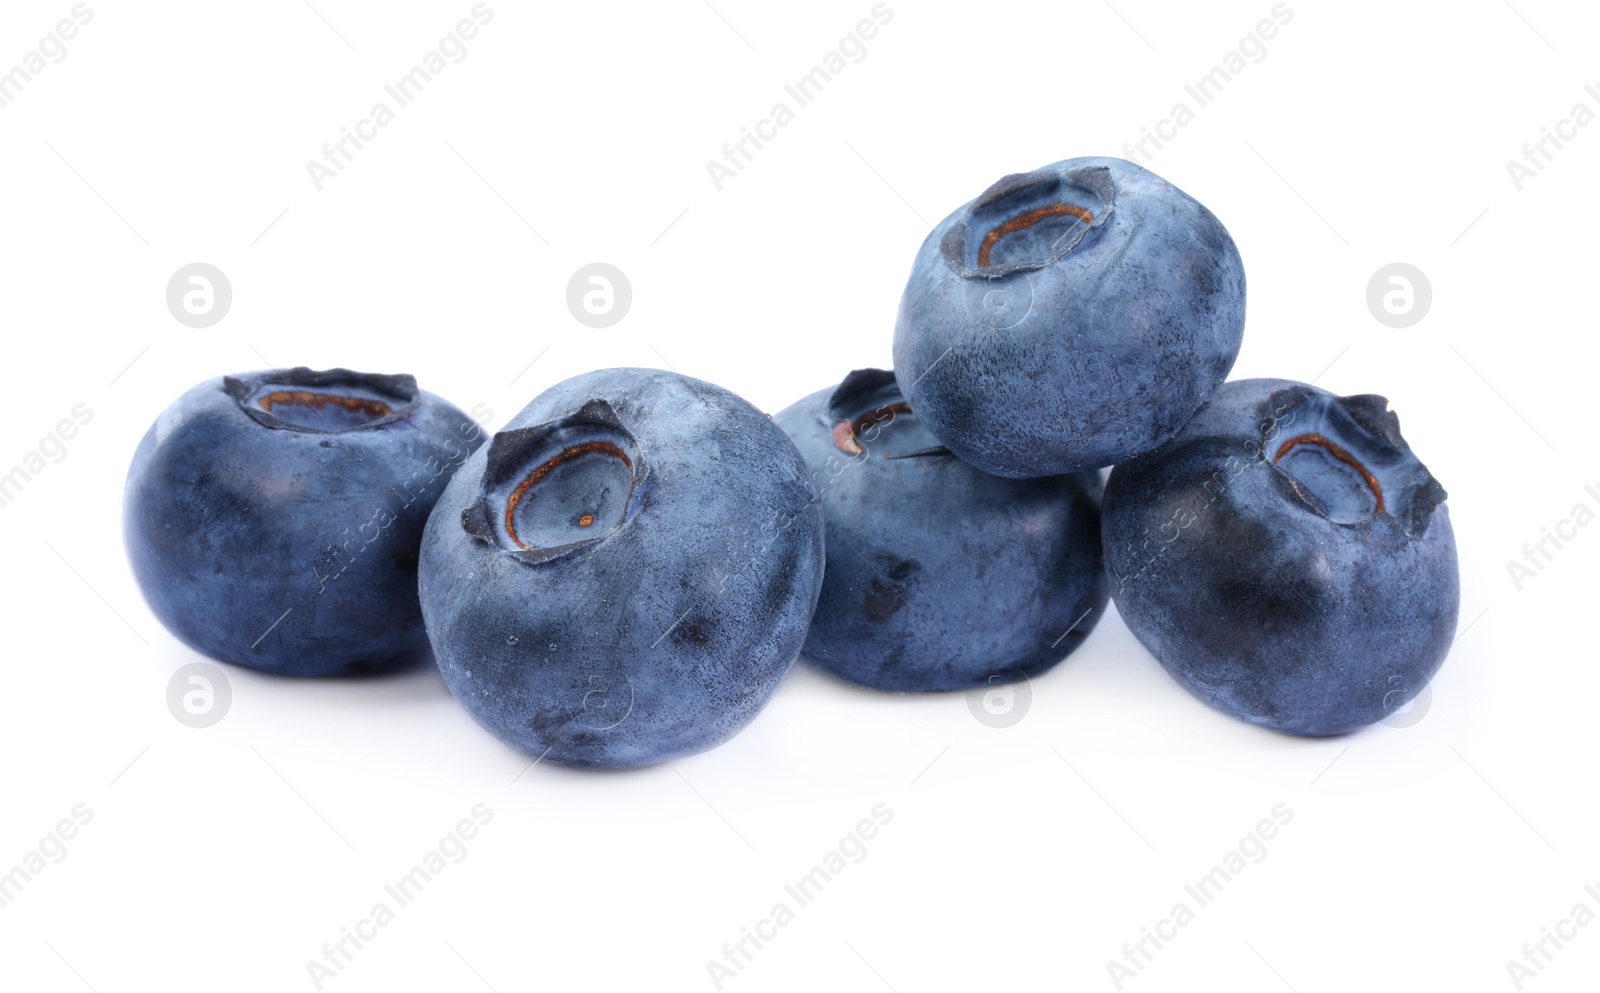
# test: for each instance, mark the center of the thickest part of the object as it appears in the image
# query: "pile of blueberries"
(626, 571)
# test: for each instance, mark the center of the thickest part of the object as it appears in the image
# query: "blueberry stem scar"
(844, 432)
(1338, 453)
(1028, 220)
(538, 474)
(372, 408)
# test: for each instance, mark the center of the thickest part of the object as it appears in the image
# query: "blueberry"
(625, 572)
(939, 576)
(1287, 558)
(1069, 318)
(273, 519)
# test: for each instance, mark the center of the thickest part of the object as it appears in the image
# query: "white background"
(1018, 858)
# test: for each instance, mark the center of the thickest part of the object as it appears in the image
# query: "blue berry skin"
(1069, 318)
(273, 519)
(626, 572)
(939, 576)
(1287, 558)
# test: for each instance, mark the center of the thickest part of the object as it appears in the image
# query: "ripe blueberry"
(272, 519)
(939, 576)
(625, 572)
(1069, 318)
(1287, 558)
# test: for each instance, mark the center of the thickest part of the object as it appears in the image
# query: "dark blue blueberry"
(273, 518)
(626, 572)
(1287, 558)
(939, 577)
(1069, 318)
